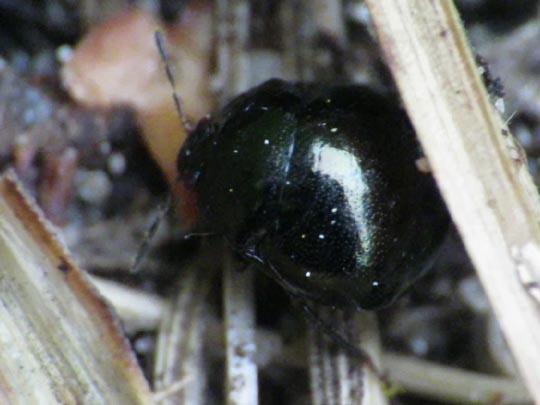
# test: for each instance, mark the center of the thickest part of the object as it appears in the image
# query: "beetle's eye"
(193, 155)
(195, 145)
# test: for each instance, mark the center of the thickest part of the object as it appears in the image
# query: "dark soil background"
(89, 169)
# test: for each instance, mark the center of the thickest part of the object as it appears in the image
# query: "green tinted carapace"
(320, 186)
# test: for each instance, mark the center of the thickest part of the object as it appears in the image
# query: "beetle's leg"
(144, 247)
(339, 338)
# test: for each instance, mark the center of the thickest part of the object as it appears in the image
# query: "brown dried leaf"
(118, 63)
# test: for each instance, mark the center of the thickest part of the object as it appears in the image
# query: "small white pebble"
(93, 186)
(64, 53)
(308, 273)
(471, 293)
(321, 236)
(419, 346)
(266, 142)
(359, 12)
(116, 164)
(422, 165)
(105, 148)
(144, 345)
(499, 105)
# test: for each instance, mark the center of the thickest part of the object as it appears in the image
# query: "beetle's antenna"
(162, 48)
(144, 246)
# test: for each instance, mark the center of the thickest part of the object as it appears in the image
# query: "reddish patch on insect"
(186, 205)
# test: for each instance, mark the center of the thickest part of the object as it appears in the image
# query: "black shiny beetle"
(319, 185)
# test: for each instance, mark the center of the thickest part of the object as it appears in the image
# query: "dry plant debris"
(117, 63)
(219, 48)
(492, 198)
(57, 333)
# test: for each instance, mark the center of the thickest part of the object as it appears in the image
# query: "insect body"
(319, 185)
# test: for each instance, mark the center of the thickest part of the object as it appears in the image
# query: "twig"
(60, 342)
(138, 310)
(329, 21)
(414, 376)
(179, 348)
(454, 385)
(241, 376)
(233, 62)
(337, 377)
(241, 382)
(491, 196)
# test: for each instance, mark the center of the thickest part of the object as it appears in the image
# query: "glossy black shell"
(320, 186)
